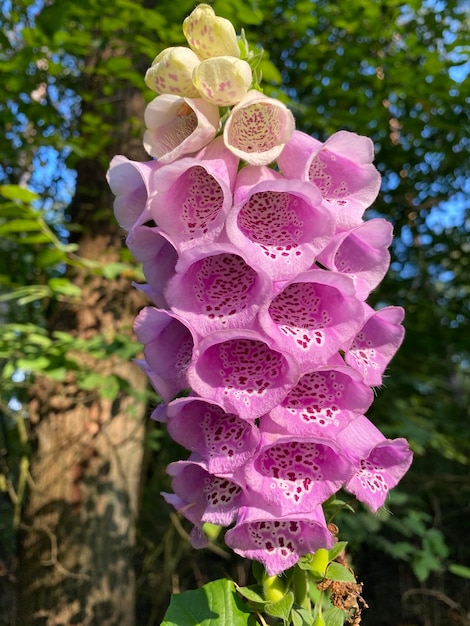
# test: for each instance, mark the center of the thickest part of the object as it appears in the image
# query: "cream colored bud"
(171, 72)
(209, 35)
(222, 80)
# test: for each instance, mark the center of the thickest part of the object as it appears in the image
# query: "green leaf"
(14, 192)
(282, 608)
(334, 617)
(301, 617)
(50, 257)
(336, 571)
(214, 604)
(63, 287)
(459, 570)
(336, 550)
(253, 593)
(19, 226)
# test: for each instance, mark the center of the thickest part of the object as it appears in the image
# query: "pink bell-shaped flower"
(242, 372)
(341, 168)
(375, 344)
(278, 543)
(322, 403)
(313, 315)
(290, 475)
(223, 440)
(158, 258)
(214, 499)
(380, 463)
(178, 126)
(168, 349)
(192, 196)
(258, 128)
(361, 253)
(130, 183)
(277, 222)
(215, 288)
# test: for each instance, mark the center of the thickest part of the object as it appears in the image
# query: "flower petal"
(376, 343)
(178, 126)
(212, 498)
(193, 195)
(361, 253)
(171, 72)
(168, 350)
(276, 222)
(130, 181)
(224, 81)
(242, 372)
(223, 440)
(158, 258)
(341, 168)
(278, 543)
(323, 402)
(258, 128)
(380, 463)
(215, 288)
(313, 316)
(210, 35)
(294, 475)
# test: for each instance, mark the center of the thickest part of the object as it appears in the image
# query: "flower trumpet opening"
(258, 128)
(178, 126)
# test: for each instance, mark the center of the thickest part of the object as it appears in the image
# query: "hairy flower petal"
(290, 474)
(380, 463)
(376, 343)
(277, 222)
(258, 128)
(313, 315)
(193, 195)
(278, 543)
(223, 440)
(215, 288)
(239, 370)
(341, 168)
(178, 126)
(323, 402)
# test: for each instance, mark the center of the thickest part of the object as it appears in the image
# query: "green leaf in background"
(459, 570)
(214, 604)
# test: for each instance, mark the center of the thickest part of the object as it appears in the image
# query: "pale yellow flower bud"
(171, 72)
(210, 35)
(222, 80)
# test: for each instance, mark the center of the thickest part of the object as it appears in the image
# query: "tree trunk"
(78, 525)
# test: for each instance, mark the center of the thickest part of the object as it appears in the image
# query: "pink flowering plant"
(259, 339)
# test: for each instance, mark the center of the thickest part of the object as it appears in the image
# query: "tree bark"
(78, 525)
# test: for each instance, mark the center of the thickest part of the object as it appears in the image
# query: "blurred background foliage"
(396, 71)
